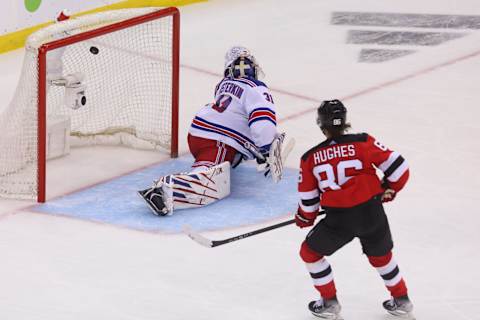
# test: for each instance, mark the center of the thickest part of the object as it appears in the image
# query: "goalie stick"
(198, 238)
(277, 159)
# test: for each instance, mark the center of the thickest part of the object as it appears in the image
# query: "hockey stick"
(287, 149)
(198, 238)
(254, 151)
(258, 155)
(277, 159)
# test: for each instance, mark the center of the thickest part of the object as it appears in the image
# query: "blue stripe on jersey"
(252, 82)
(246, 81)
(260, 119)
(223, 128)
(260, 109)
(220, 133)
(216, 88)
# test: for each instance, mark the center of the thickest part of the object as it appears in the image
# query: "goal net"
(105, 78)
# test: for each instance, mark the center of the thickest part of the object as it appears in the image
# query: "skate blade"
(329, 316)
(402, 315)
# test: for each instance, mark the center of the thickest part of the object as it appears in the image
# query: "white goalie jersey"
(243, 113)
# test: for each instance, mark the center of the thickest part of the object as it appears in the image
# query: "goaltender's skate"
(400, 307)
(326, 309)
(154, 197)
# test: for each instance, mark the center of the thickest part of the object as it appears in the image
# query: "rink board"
(253, 199)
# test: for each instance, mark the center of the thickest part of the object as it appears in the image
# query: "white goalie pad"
(196, 189)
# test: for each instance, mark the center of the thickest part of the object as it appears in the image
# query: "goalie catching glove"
(271, 158)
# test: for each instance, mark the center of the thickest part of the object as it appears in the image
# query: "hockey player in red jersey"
(339, 175)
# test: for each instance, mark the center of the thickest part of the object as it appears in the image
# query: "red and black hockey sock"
(320, 271)
(390, 273)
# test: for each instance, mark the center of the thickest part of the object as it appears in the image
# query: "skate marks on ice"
(387, 43)
(425, 308)
(406, 20)
(381, 55)
(253, 199)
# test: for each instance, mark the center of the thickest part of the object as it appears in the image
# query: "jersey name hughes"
(228, 87)
(332, 152)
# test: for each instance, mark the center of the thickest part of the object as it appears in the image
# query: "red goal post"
(141, 88)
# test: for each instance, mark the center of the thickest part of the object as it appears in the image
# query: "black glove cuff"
(385, 184)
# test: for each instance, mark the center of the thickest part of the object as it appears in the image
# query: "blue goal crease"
(253, 200)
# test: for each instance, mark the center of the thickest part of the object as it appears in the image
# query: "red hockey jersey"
(341, 172)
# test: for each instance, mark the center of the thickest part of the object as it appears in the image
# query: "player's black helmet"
(332, 114)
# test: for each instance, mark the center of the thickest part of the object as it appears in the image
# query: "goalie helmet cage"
(129, 59)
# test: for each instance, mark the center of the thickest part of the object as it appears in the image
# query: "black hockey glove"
(388, 193)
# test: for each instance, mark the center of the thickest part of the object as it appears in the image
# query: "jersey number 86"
(335, 182)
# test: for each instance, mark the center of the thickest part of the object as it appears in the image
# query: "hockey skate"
(156, 199)
(400, 307)
(326, 309)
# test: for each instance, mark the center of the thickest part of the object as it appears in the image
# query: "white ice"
(425, 105)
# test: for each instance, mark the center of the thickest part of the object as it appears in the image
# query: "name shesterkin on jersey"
(228, 87)
(340, 172)
(243, 113)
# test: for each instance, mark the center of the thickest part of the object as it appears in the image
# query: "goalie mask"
(240, 63)
(332, 114)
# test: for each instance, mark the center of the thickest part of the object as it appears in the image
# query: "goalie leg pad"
(202, 187)
(188, 190)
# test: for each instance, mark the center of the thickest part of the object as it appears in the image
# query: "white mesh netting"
(128, 79)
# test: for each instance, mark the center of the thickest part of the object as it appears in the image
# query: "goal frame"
(42, 82)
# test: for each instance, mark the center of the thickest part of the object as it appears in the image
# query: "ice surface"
(425, 105)
(381, 55)
(252, 200)
(400, 37)
(408, 20)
